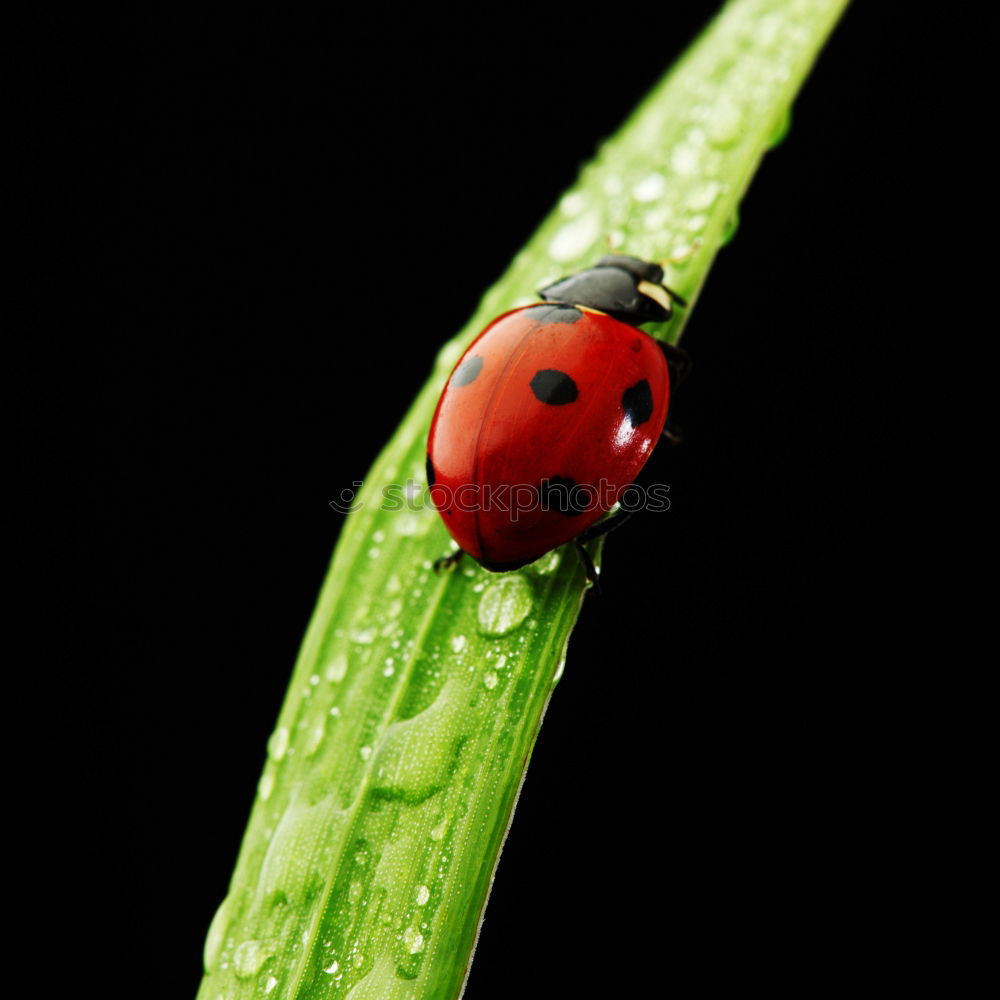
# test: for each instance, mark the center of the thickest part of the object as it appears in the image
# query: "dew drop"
(448, 356)
(767, 28)
(549, 563)
(336, 669)
(695, 136)
(416, 755)
(490, 680)
(413, 940)
(650, 187)
(332, 967)
(501, 661)
(657, 218)
(378, 537)
(380, 983)
(266, 785)
(363, 636)
(683, 249)
(408, 525)
(724, 123)
(277, 745)
(685, 160)
(365, 752)
(560, 670)
(438, 832)
(374, 552)
(504, 606)
(250, 956)
(315, 738)
(217, 933)
(573, 204)
(458, 643)
(423, 894)
(704, 196)
(713, 163)
(270, 984)
(575, 238)
(291, 866)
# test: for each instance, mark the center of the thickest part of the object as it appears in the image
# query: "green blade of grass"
(396, 762)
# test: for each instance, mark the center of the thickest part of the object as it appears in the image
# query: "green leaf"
(394, 769)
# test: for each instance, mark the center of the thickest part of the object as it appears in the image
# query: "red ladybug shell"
(549, 402)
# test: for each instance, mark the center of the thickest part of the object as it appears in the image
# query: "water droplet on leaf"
(266, 785)
(504, 606)
(250, 956)
(336, 668)
(277, 745)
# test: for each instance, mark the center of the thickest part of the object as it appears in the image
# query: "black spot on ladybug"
(553, 313)
(554, 387)
(468, 371)
(430, 471)
(638, 403)
(564, 495)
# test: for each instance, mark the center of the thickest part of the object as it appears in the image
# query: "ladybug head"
(626, 288)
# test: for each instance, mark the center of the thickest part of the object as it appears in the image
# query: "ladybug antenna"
(679, 258)
(647, 289)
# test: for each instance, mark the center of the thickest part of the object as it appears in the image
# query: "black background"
(270, 222)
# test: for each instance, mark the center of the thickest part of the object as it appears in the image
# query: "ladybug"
(550, 415)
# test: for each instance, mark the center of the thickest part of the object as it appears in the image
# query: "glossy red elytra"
(550, 415)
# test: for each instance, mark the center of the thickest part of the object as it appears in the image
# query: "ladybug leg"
(672, 433)
(678, 363)
(679, 366)
(589, 569)
(603, 527)
(596, 531)
(449, 561)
